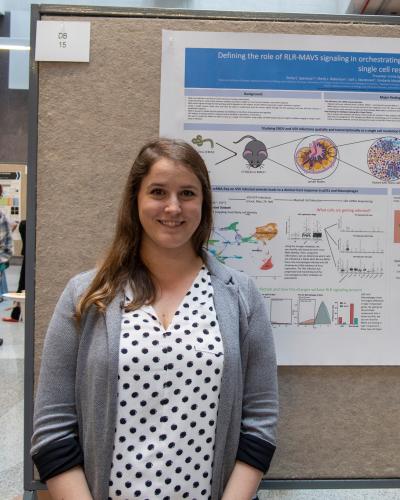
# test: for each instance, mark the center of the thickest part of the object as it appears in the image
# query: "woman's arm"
(55, 443)
(243, 482)
(257, 440)
(69, 485)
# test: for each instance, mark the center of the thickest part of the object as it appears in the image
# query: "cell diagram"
(316, 157)
(384, 159)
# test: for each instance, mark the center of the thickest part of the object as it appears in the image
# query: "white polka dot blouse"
(168, 390)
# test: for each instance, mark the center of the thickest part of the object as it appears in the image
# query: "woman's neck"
(169, 266)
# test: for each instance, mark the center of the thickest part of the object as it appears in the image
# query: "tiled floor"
(11, 398)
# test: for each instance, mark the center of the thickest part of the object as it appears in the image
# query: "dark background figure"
(21, 283)
(6, 249)
(16, 310)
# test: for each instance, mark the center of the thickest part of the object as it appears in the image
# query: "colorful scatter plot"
(228, 242)
(316, 156)
(384, 159)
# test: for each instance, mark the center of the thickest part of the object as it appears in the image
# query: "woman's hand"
(69, 485)
(243, 483)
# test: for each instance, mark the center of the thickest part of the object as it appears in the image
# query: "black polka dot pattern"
(168, 390)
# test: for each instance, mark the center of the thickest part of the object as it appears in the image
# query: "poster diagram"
(384, 159)
(304, 160)
(356, 251)
(313, 157)
(306, 230)
(227, 242)
(345, 314)
(306, 312)
(281, 311)
(311, 314)
(316, 156)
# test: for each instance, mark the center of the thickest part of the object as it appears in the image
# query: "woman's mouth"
(171, 223)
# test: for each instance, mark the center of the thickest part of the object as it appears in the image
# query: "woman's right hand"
(69, 485)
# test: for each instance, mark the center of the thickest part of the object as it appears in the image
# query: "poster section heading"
(291, 70)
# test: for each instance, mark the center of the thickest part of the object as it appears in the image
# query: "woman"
(6, 249)
(15, 315)
(158, 372)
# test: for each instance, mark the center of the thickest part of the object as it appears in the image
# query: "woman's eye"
(187, 193)
(157, 192)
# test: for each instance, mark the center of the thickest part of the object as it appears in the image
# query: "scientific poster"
(301, 136)
(10, 202)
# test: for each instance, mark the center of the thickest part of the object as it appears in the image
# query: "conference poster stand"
(339, 426)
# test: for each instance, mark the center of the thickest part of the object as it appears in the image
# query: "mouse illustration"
(255, 151)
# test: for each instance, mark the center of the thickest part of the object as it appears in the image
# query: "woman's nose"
(173, 205)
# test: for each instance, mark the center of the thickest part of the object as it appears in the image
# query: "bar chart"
(344, 313)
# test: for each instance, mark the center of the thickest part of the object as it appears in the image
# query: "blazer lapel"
(226, 305)
(113, 324)
(112, 319)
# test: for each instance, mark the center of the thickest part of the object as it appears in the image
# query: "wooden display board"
(88, 121)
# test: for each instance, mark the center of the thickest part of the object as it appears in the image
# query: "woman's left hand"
(243, 483)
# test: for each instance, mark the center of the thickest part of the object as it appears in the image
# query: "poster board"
(300, 136)
(338, 424)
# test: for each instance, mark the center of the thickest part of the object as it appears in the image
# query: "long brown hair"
(122, 264)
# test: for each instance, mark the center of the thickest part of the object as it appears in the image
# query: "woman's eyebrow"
(189, 186)
(153, 184)
(162, 184)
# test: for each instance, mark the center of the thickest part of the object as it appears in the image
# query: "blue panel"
(291, 70)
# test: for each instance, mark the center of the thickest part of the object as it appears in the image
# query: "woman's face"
(170, 202)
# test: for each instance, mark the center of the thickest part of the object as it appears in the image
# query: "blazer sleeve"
(257, 441)
(55, 441)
